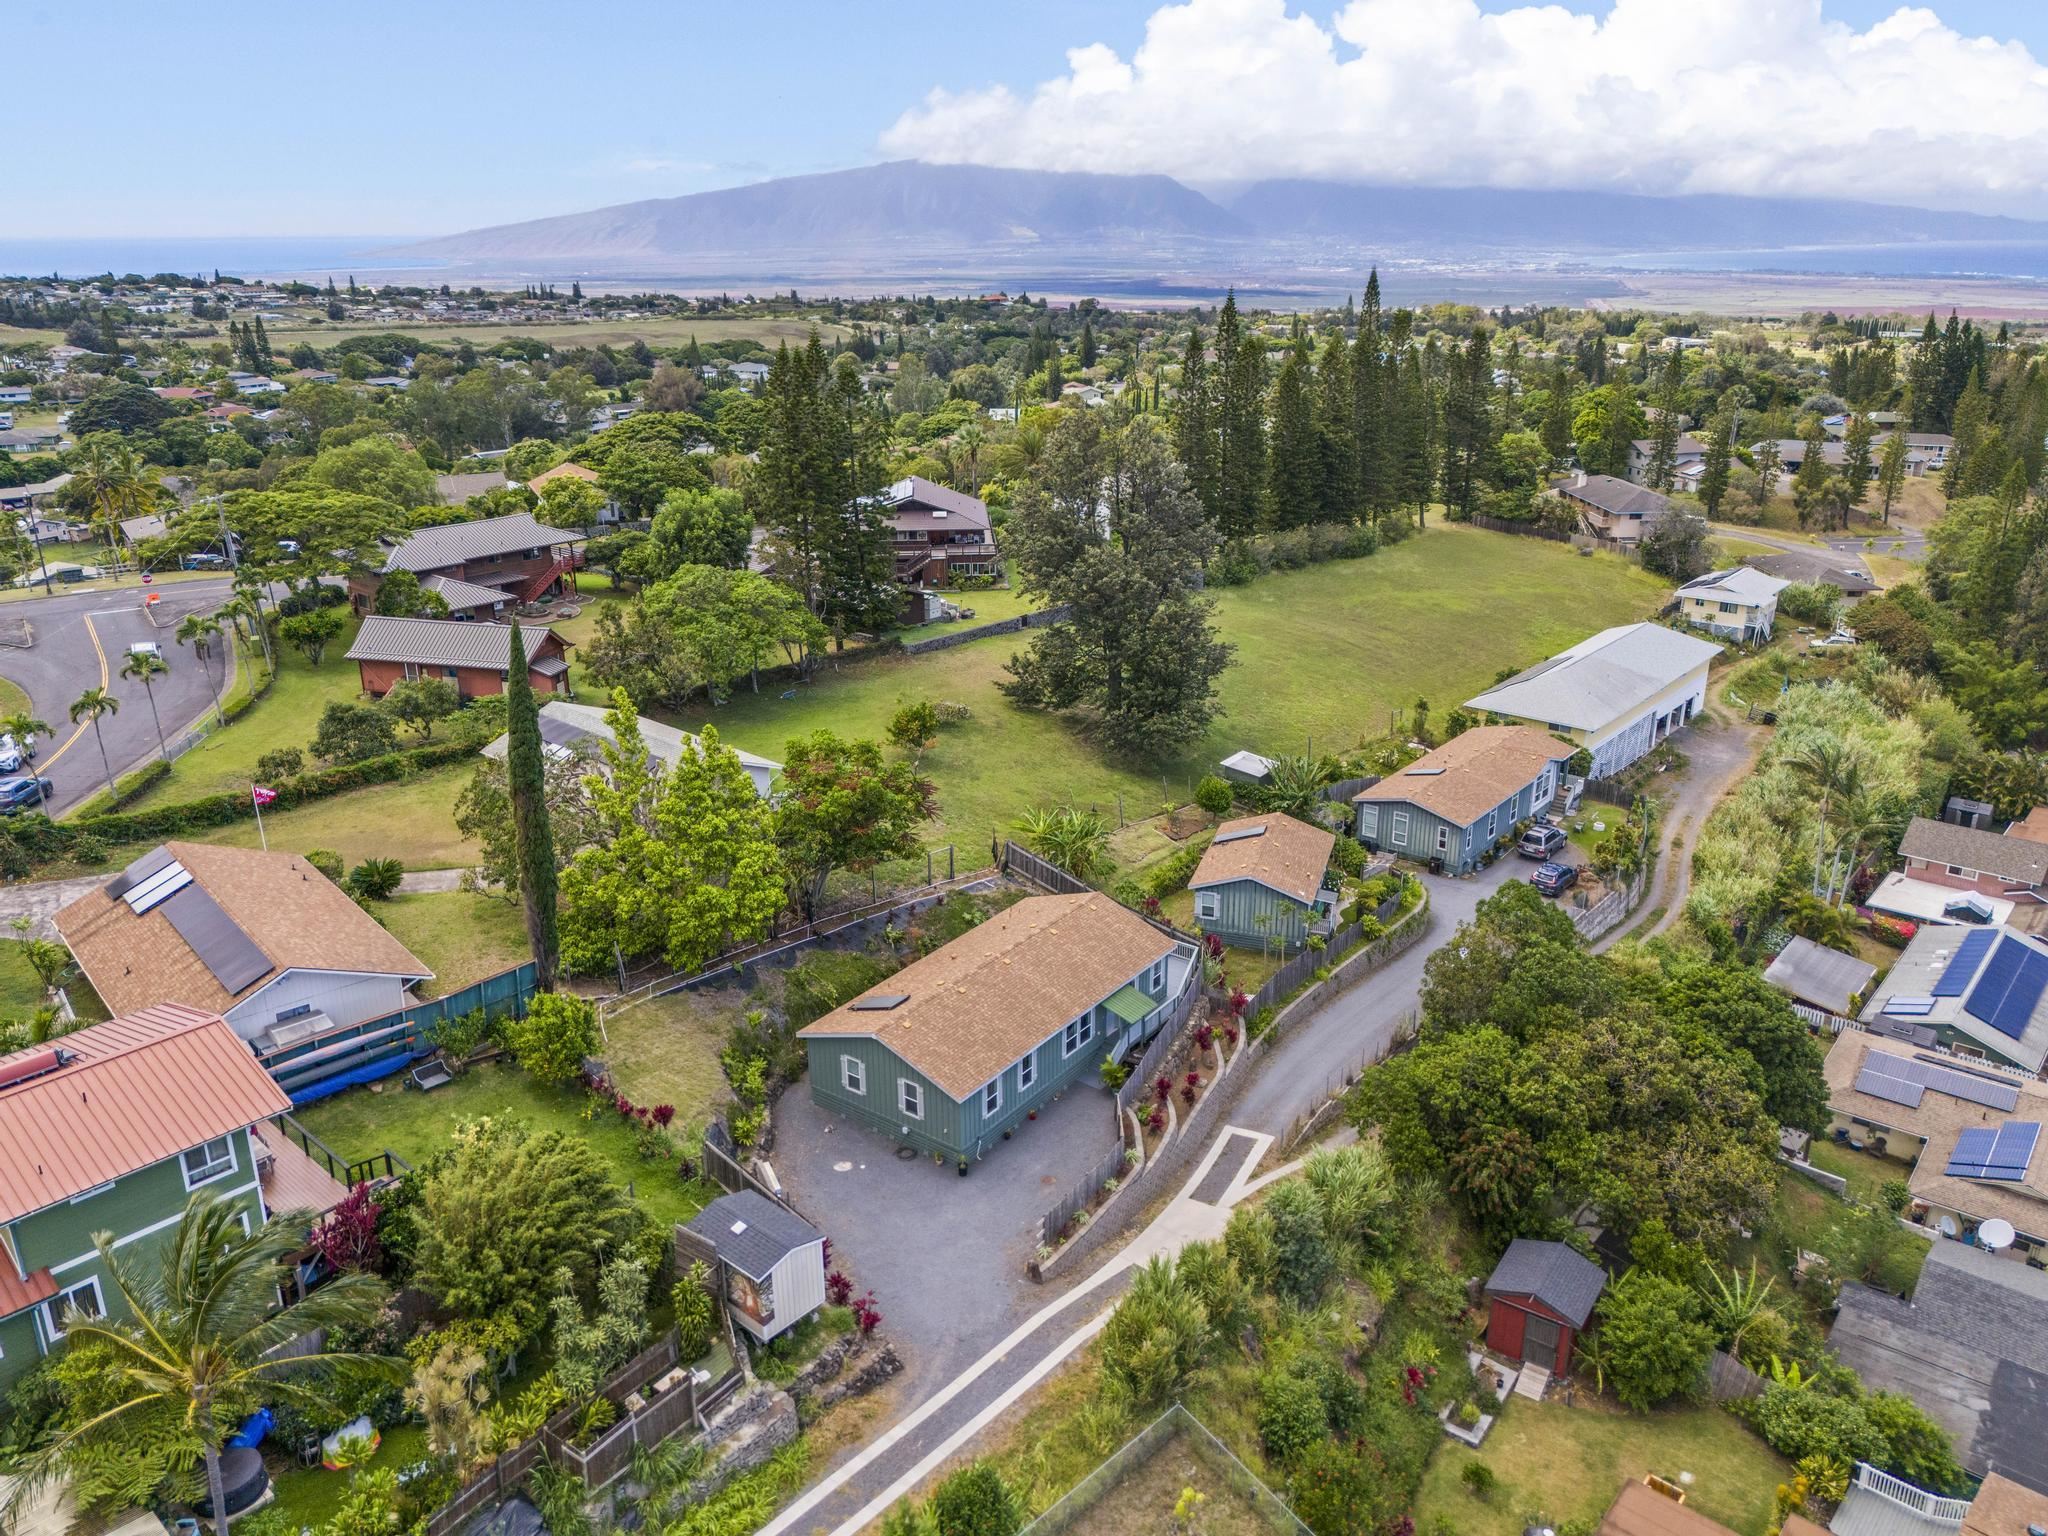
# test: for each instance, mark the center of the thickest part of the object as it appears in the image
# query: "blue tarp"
(251, 1434)
(312, 1092)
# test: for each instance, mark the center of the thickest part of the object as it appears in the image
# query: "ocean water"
(1989, 258)
(233, 255)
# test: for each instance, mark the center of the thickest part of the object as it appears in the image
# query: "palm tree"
(109, 476)
(1833, 767)
(90, 705)
(147, 665)
(25, 728)
(199, 632)
(190, 1343)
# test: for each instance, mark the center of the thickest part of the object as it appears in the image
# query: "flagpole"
(258, 805)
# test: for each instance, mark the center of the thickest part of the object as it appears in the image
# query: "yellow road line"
(99, 651)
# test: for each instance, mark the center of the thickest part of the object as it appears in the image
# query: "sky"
(416, 119)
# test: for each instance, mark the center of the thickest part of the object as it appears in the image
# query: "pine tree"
(1557, 415)
(1408, 420)
(1972, 413)
(526, 785)
(1891, 472)
(1240, 424)
(1664, 437)
(1294, 475)
(1087, 344)
(1856, 467)
(1334, 439)
(266, 359)
(1369, 391)
(1194, 423)
(1714, 470)
(1468, 425)
(1807, 484)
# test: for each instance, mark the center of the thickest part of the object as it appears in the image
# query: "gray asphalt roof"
(1742, 584)
(1614, 495)
(1600, 679)
(1556, 1274)
(1815, 568)
(446, 544)
(1971, 1348)
(1815, 974)
(770, 1233)
(1943, 842)
(467, 483)
(440, 642)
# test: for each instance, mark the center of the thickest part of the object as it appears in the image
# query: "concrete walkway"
(417, 882)
(41, 901)
(861, 1489)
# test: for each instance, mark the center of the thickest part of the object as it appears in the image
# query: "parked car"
(1541, 841)
(13, 754)
(1831, 642)
(204, 562)
(24, 794)
(146, 648)
(1554, 879)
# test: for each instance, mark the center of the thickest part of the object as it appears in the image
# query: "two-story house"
(517, 557)
(937, 532)
(2008, 864)
(1610, 508)
(961, 1045)
(1687, 451)
(1741, 603)
(111, 1129)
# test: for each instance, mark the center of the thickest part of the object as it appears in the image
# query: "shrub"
(1301, 1242)
(1157, 1337)
(327, 861)
(696, 1312)
(1477, 1476)
(1348, 854)
(1799, 1423)
(1657, 1344)
(1896, 1195)
(554, 1037)
(975, 1501)
(1916, 1448)
(1213, 795)
(283, 763)
(349, 733)
(375, 879)
(1291, 1415)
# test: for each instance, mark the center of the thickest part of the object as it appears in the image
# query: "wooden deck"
(291, 1180)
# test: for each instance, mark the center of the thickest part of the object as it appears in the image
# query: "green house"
(1265, 880)
(962, 1044)
(110, 1130)
(1453, 806)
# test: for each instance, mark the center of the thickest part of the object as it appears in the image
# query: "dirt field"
(662, 331)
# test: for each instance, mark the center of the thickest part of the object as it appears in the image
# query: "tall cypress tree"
(1294, 478)
(533, 838)
(1856, 462)
(1194, 422)
(1664, 435)
(1334, 433)
(1557, 415)
(1242, 420)
(1087, 344)
(1369, 408)
(1714, 471)
(1467, 425)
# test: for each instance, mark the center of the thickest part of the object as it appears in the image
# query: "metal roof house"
(263, 939)
(936, 531)
(951, 1052)
(1265, 879)
(580, 730)
(1539, 1299)
(111, 1129)
(1982, 991)
(472, 656)
(771, 1261)
(1617, 693)
(1819, 977)
(517, 554)
(1450, 806)
(1741, 603)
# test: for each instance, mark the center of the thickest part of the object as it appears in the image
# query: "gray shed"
(1820, 977)
(772, 1259)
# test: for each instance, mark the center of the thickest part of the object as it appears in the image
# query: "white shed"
(772, 1260)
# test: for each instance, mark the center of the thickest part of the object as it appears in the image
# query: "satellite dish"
(1995, 1234)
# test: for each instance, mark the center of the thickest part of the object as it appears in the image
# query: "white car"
(146, 648)
(1835, 641)
(12, 757)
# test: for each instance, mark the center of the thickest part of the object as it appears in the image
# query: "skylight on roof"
(1240, 834)
(879, 1004)
(1423, 773)
(738, 1227)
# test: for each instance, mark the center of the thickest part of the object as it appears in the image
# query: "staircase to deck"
(1532, 1383)
(542, 580)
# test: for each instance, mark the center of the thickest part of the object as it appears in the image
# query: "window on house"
(1077, 1034)
(1955, 869)
(1400, 832)
(1157, 981)
(1727, 607)
(1207, 905)
(1368, 821)
(910, 1098)
(294, 1013)
(852, 1075)
(1443, 838)
(85, 1296)
(215, 1160)
(1027, 1073)
(992, 1096)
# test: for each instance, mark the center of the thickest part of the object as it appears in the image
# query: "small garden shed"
(771, 1259)
(1540, 1297)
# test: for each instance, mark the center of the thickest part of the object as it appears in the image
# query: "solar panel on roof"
(1962, 965)
(880, 1004)
(2017, 1011)
(1908, 1007)
(1892, 1090)
(217, 939)
(1972, 1153)
(1241, 833)
(140, 870)
(1971, 1088)
(149, 892)
(1987, 998)
(2013, 1150)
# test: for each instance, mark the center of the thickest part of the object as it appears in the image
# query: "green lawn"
(413, 820)
(665, 1051)
(1817, 1221)
(1557, 1464)
(21, 994)
(1867, 1172)
(13, 701)
(462, 936)
(310, 1496)
(1324, 654)
(416, 1125)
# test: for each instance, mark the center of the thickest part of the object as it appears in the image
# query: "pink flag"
(261, 795)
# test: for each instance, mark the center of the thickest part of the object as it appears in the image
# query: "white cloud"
(1744, 96)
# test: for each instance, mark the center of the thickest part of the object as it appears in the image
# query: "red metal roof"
(133, 1091)
(18, 1295)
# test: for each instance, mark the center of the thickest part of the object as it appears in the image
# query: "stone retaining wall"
(1009, 626)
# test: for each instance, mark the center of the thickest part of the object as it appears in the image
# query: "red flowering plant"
(1162, 1090)
(838, 1289)
(865, 1315)
(346, 1236)
(1239, 1001)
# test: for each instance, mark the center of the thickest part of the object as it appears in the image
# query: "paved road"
(78, 641)
(1900, 542)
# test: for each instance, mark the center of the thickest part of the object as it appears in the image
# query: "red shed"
(1540, 1297)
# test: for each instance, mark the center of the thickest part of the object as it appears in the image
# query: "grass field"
(1557, 1464)
(1325, 654)
(13, 701)
(661, 331)
(21, 994)
(665, 1051)
(413, 820)
(461, 936)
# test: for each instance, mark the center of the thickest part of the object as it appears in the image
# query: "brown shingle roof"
(1003, 988)
(1289, 856)
(137, 1089)
(293, 913)
(1471, 773)
(562, 471)
(2017, 859)
(2034, 828)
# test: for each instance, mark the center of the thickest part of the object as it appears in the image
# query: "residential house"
(182, 393)
(21, 498)
(255, 384)
(136, 529)
(472, 656)
(747, 374)
(771, 1262)
(111, 1129)
(1618, 693)
(2033, 826)
(394, 381)
(1454, 805)
(470, 602)
(608, 513)
(1539, 1298)
(1899, 895)
(454, 490)
(580, 730)
(1265, 879)
(1612, 509)
(1820, 977)
(263, 939)
(961, 1045)
(1815, 569)
(1971, 1349)
(30, 439)
(937, 532)
(1978, 990)
(1688, 450)
(1999, 864)
(1879, 1504)
(314, 376)
(16, 394)
(518, 555)
(1741, 603)
(1925, 451)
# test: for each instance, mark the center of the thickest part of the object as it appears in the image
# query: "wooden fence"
(1728, 1378)
(1171, 1028)
(724, 1167)
(1290, 977)
(1525, 530)
(1084, 1190)
(1040, 872)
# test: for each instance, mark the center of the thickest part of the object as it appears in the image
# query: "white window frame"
(1443, 837)
(1399, 834)
(1077, 1033)
(992, 1097)
(1156, 982)
(1027, 1072)
(1208, 906)
(853, 1075)
(1368, 821)
(910, 1092)
(53, 1309)
(219, 1171)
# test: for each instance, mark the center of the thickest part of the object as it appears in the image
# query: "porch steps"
(1532, 1383)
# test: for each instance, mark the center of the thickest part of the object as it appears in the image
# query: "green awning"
(1130, 1005)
